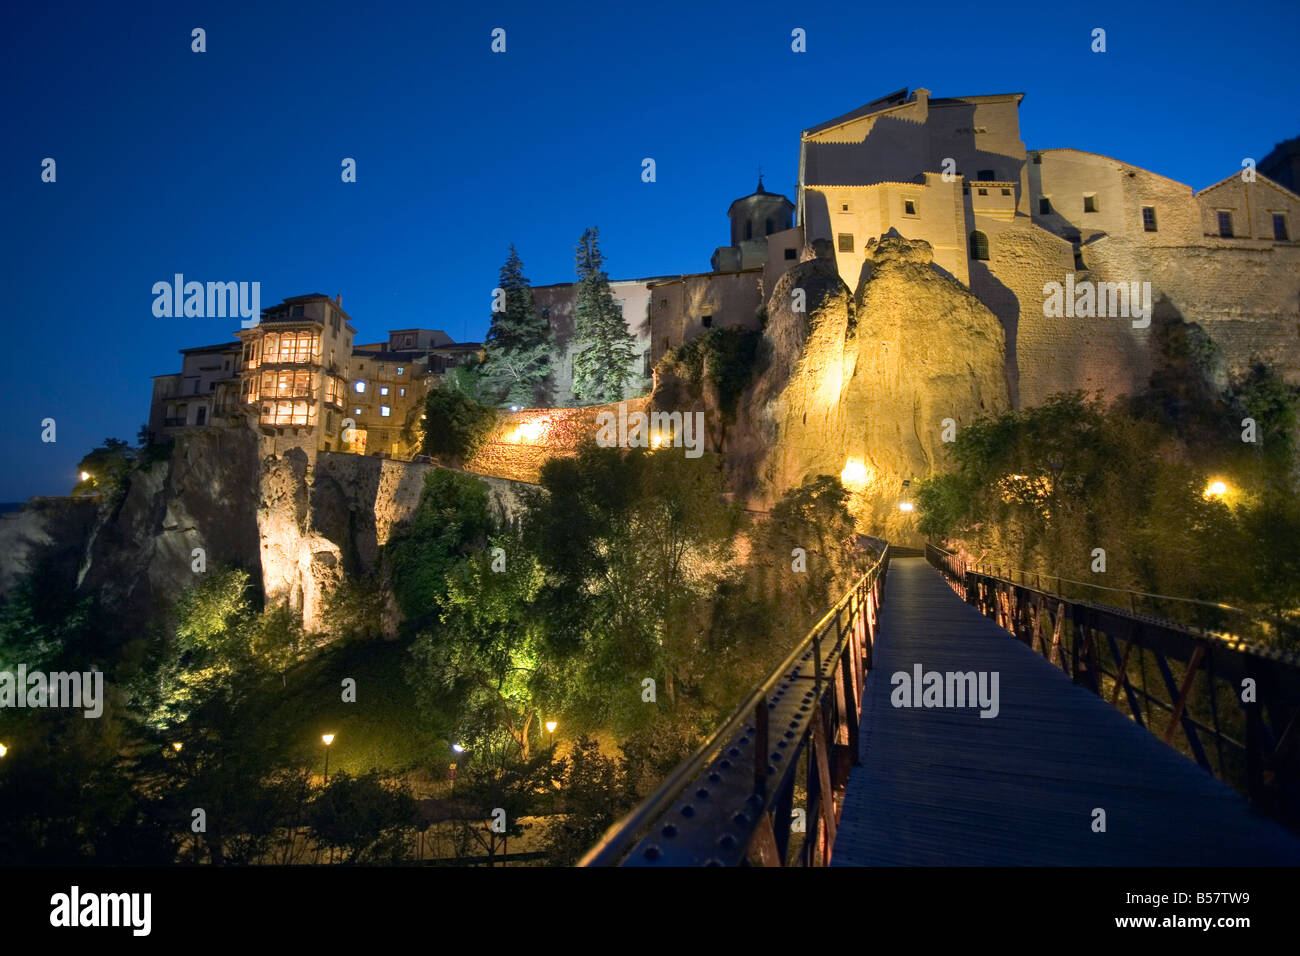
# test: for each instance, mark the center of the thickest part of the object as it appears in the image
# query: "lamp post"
(456, 749)
(329, 739)
(550, 729)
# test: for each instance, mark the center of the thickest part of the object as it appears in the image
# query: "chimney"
(338, 300)
(921, 95)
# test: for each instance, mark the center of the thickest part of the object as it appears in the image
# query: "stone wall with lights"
(524, 440)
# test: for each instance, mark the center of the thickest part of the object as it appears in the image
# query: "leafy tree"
(107, 468)
(518, 342)
(484, 658)
(602, 343)
(355, 609)
(496, 778)
(368, 819)
(631, 545)
(453, 520)
(593, 795)
(455, 425)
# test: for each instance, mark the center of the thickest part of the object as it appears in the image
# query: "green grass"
(383, 730)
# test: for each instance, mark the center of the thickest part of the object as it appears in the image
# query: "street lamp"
(177, 746)
(85, 476)
(1216, 489)
(3, 750)
(329, 739)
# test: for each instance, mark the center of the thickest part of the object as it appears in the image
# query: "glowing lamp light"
(854, 474)
(529, 431)
(550, 726)
(85, 476)
(177, 746)
(3, 750)
(458, 748)
(328, 738)
(1216, 489)
(905, 506)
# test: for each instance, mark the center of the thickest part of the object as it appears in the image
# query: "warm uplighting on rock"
(905, 506)
(529, 431)
(854, 475)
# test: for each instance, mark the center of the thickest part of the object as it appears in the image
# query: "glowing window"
(383, 390)
(360, 387)
(384, 411)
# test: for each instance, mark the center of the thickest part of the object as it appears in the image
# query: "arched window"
(749, 229)
(770, 230)
(979, 245)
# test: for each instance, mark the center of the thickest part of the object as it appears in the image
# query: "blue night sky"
(225, 165)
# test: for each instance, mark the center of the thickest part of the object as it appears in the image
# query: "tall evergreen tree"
(603, 346)
(518, 342)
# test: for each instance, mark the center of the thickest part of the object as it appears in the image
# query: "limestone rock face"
(863, 379)
(140, 557)
(925, 351)
(296, 526)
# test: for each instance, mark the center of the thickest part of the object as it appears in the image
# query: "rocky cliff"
(858, 383)
(298, 529)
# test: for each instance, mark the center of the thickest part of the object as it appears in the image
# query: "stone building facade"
(1005, 221)
(299, 381)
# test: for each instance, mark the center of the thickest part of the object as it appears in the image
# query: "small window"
(1089, 203)
(909, 207)
(401, 393)
(1225, 224)
(982, 192)
(383, 390)
(1044, 206)
(770, 230)
(385, 411)
(359, 387)
(706, 321)
(1279, 227)
(986, 176)
(844, 207)
(1005, 191)
(410, 339)
(1149, 218)
(791, 253)
(965, 189)
(1038, 160)
(846, 241)
(356, 411)
(401, 369)
(979, 246)
(749, 230)
(296, 310)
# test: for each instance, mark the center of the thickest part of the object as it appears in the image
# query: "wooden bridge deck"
(941, 786)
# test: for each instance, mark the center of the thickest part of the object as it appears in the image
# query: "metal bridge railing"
(1233, 706)
(796, 736)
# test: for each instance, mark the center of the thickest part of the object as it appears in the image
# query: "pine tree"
(603, 346)
(518, 342)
